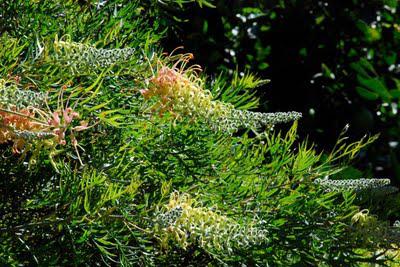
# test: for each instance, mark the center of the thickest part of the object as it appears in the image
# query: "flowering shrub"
(149, 127)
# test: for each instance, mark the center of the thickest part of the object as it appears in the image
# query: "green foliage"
(240, 91)
(117, 182)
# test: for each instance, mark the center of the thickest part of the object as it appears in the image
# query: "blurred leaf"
(376, 86)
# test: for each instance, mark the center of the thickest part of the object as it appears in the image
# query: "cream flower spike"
(80, 55)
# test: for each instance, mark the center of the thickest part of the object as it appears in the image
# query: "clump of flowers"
(181, 92)
(16, 126)
(19, 114)
(24, 122)
(185, 224)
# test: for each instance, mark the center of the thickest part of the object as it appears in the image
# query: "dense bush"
(116, 154)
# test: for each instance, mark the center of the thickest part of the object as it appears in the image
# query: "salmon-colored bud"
(67, 117)
(83, 126)
(56, 119)
(75, 114)
(145, 93)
